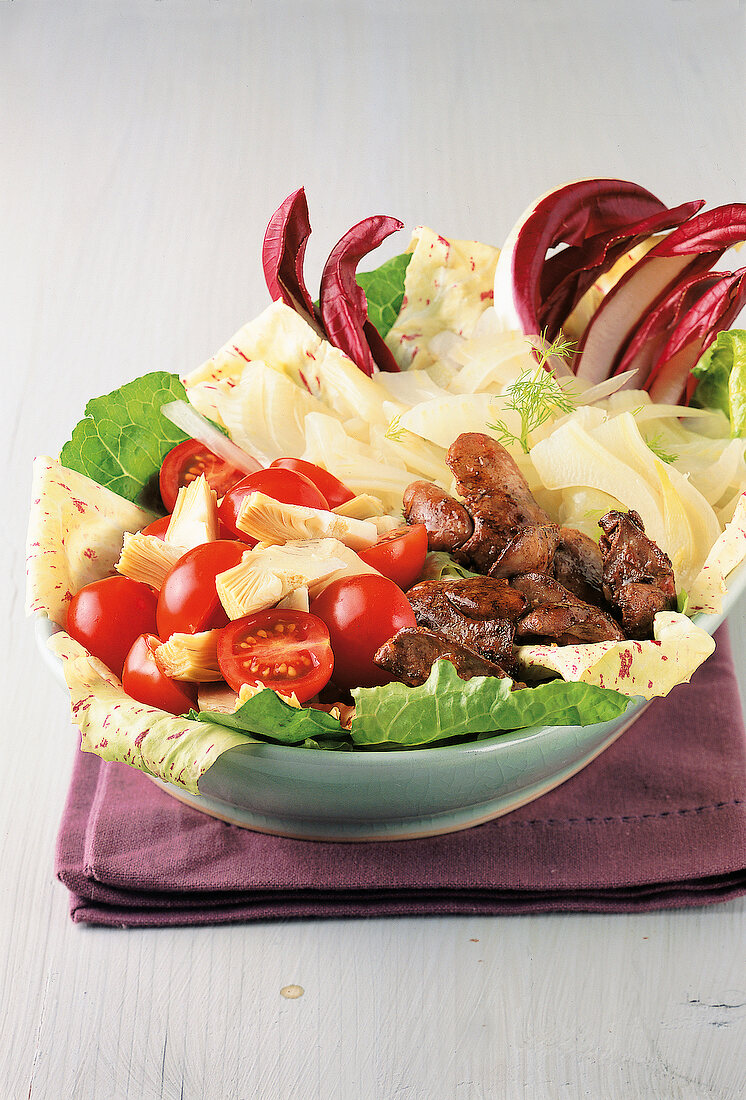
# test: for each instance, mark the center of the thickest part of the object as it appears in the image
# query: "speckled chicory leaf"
(446, 706)
(123, 438)
(116, 727)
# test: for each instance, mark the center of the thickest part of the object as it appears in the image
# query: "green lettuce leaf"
(124, 438)
(327, 745)
(439, 565)
(384, 289)
(722, 379)
(446, 706)
(266, 715)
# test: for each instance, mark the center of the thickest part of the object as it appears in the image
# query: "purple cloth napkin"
(658, 820)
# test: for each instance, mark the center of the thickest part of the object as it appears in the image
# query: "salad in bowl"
(467, 499)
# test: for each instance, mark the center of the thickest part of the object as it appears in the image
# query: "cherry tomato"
(361, 613)
(286, 486)
(157, 528)
(144, 681)
(188, 601)
(335, 491)
(186, 462)
(107, 615)
(399, 555)
(288, 651)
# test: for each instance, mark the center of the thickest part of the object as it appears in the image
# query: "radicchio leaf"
(671, 378)
(344, 309)
(568, 215)
(691, 249)
(648, 341)
(570, 273)
(283, 251)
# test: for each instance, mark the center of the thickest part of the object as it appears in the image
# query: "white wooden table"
(144, 146)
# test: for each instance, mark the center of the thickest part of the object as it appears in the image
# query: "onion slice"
(198, 427)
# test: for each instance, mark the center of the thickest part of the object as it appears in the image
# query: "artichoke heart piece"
(363, 506)
(353, 566)
(296, 600)
(147, 558)
(195, 516)
(369, 508)
(190, 657)
(386, 524)
(271, 521)
(267, 574)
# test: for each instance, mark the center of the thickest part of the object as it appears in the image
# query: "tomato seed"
(262, 633)
(292, 672)
(282, 669)
(291, 627)
(280, 628)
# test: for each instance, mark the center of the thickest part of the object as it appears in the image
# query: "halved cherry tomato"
(399, 555)
(144, 681)
(334, 490)
(361, 613)
(288, 651)
(188, 600)
(187, 461)
(107, 615)
(157, 528)
(287, 486)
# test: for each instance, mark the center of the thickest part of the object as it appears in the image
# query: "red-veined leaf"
(344, 309)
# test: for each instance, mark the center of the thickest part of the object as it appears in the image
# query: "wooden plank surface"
(144, 146)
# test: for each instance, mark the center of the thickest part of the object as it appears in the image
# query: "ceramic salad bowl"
(401, 794)
(371, 391)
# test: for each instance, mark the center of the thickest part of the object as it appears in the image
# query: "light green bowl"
(395, 795)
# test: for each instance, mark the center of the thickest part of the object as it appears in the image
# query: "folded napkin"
(658, 820)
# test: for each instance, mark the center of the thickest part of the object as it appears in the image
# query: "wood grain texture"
(144, 147)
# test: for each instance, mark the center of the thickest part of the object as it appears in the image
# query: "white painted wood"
(143, 147)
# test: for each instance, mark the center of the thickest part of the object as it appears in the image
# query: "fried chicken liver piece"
(638, 577)
(495, 494)
(410, 654)
(578, 566)
(530, 550)
(478, 612)
(447, 522)
(485, 598)
(556, 614)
